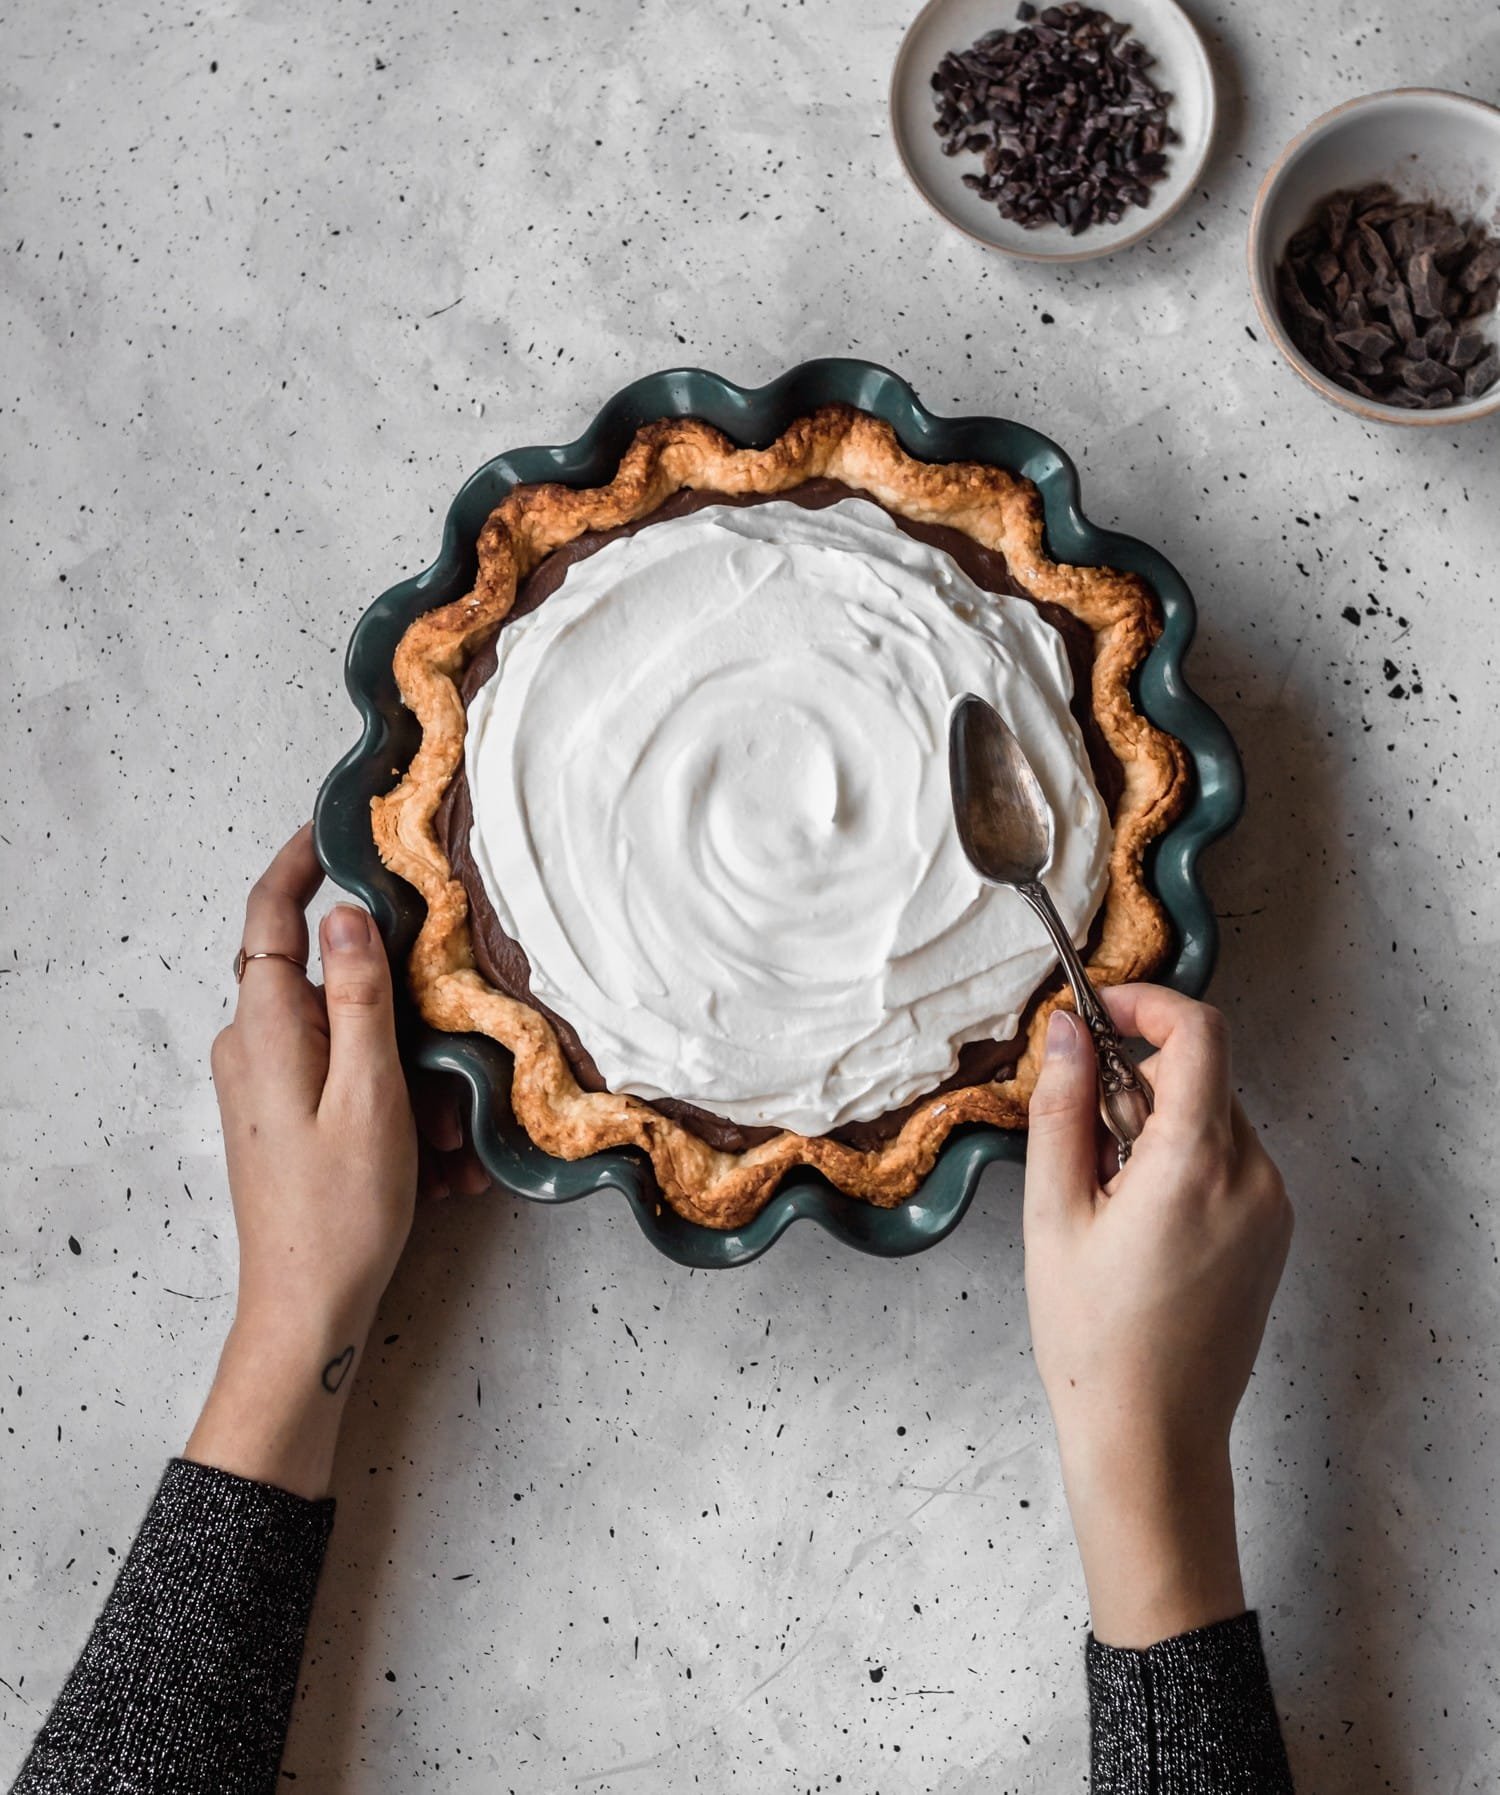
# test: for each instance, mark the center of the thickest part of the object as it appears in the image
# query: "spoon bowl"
(1004, 820)
(1005, 828)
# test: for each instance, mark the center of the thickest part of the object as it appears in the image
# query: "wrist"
(278, 1397)
(1156, 1532)
(281, 1316)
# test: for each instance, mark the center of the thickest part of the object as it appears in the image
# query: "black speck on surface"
(73, 1246)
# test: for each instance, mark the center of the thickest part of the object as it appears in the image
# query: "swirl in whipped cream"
(710, 789)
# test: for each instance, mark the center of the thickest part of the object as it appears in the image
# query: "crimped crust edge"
(998, 509)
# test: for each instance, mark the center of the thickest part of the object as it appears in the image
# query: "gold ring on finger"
(242, 960)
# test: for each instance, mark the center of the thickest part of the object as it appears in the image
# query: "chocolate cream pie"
(680, 813)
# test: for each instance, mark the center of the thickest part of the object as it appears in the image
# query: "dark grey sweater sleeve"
(187, 1680)
(1191, 1716)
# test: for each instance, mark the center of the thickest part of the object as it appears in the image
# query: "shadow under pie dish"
(712, 607)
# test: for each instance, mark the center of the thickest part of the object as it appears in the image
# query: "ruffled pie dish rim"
(724, 1188)
(753, 418)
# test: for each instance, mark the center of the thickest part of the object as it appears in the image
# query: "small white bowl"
(1181, 68)
(1428, 145)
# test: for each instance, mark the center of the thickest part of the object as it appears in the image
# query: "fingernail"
(346, 929)
(1062, 1035)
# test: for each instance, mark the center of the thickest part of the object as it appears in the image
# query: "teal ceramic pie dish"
(753, 417)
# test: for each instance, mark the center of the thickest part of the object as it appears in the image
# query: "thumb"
(357, 991)
(1061, 1154)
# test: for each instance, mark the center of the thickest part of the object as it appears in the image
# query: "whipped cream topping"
(710, 789)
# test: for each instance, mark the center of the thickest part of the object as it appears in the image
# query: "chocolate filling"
(503, 961)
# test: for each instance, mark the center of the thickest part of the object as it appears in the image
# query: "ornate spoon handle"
(1124, 1095)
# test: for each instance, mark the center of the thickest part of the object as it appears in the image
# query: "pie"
(679, 812)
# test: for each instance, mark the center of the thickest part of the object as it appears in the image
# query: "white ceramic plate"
(1428, 145)
(1181, 68)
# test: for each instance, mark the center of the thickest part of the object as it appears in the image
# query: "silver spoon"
(1005, 826)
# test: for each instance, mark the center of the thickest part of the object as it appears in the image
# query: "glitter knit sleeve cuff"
(1191, 1716)
(186, 1682)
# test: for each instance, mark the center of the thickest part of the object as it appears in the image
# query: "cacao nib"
(1072, 128)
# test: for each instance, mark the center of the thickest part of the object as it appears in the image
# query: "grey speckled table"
(273, 284)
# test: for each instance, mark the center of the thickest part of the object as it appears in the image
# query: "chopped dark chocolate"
(1483, 375)
(1375, 249)
(1326, 266)
(1427, 286)
(1340, 209)
(1450, 245)
(1381, 295)
(1070, 127)
(1357, 261)
(1467, 350)
(1333, 355)
(1428, 376)
(1482, 265)
(1396, 303)
(1483, 300)
(1371, 342)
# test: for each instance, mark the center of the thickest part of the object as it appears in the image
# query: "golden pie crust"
(999, 510)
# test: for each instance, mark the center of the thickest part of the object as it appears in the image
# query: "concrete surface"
(275, 279)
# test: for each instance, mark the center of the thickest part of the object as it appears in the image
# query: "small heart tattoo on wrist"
(336, 1370)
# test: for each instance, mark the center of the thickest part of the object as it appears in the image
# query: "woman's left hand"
(318, 1129)
(322, 1155)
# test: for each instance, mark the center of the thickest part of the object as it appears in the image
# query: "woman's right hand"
(1148, 1297)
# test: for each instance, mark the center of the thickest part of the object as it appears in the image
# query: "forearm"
(1157, 1537)
(186, 1682)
